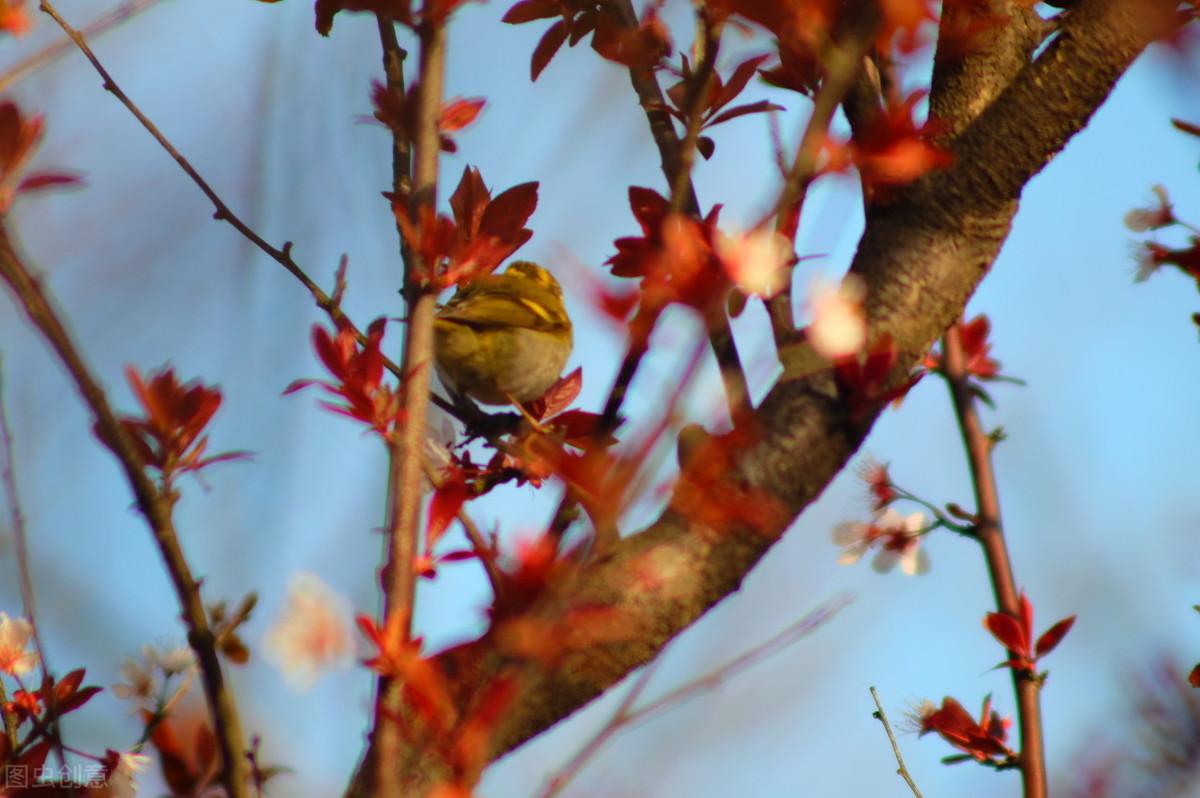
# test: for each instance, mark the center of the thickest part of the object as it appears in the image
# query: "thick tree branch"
(920, 257)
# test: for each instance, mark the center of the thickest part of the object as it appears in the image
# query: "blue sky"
(1097, 476)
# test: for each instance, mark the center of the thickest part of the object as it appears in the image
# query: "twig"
(154, 505)
(8, 475)
(56, 50)
(991, 537)
(627, 716)
(618, 720)
(479, 544)
(887, 727)
(487, 553)
(222, 212)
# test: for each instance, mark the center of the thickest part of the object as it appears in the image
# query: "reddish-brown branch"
(155, 505)
(405, 452)
(991, 537)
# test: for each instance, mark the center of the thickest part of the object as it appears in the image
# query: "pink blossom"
(315, 632)
(839, 327)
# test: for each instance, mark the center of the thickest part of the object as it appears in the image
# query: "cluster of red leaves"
(1015, 633)
(803, 29)
(168, 436)
(462, 738)
(976, 350)
(521, 631)
(643, 46)
(719, 95)
(674, 258)
(34, 712)
(432, 13)
(14, 17)
(866, 381)
(483, 232)
(982, 740)
(358, 378)
(397, 111)
(892, 150)
(533, 454)
(19, 137)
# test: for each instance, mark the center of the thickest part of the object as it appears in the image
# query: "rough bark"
(921, 257)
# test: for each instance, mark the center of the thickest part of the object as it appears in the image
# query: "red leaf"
(1053, 636)
(1008, 631)
(737, 81)
(706, 146)
(1194, 677)
(447, 500)
(469, 201)
(529, 10)
(509, 211)
(558, 397)
(649, 207)
(34, 758)
(762, 106)
(457, 114)
(1186, 127)
(547, 46)
(68, 684)
(45, 180)
(579, 428)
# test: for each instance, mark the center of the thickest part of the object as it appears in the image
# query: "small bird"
(503, 338)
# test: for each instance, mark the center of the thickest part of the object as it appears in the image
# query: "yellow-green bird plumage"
(504, 337)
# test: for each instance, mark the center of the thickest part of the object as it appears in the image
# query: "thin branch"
(901, 770)
(283, 256)
(843, 65)
(708, 38)
(8, 475)
(615, 723)
(991, 537)
(676, 158)
(55, 50)
(626, 716)
(486, 552)
(393, 71)
(405, 451)
(155, 506)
